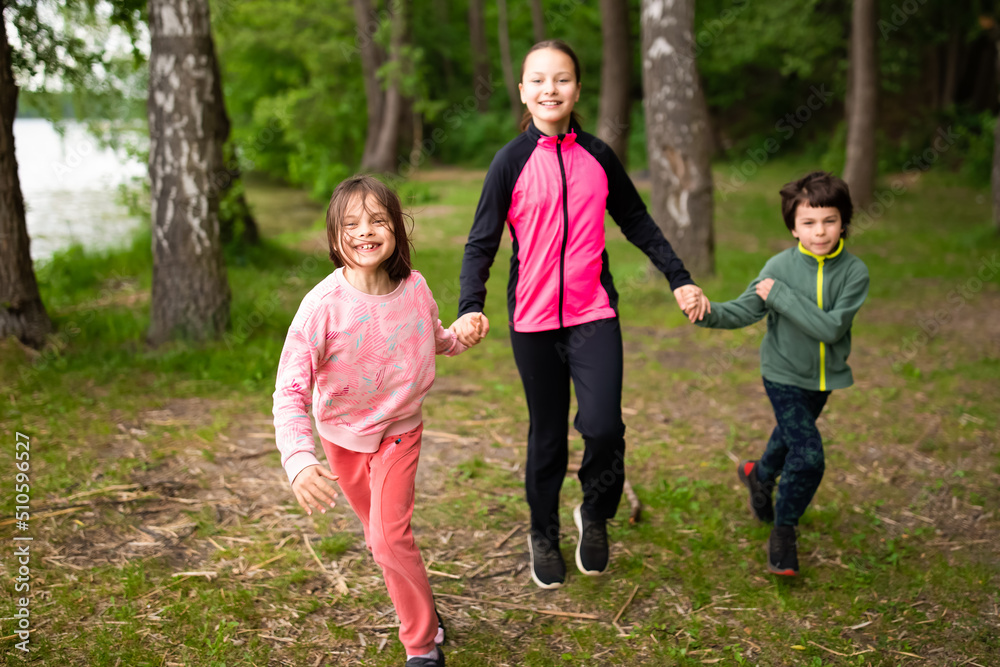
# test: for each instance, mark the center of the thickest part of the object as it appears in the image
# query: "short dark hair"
(558, 45)
(373, 193)
(818, 189)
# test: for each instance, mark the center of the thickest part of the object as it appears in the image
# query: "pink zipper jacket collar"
(550, 143)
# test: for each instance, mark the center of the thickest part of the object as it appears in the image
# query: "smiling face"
(367, 238)
(549, 87)
(817, 228)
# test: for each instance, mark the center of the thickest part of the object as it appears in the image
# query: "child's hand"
(311, 490)
(471, 328)
(693, 302)
(764, 288)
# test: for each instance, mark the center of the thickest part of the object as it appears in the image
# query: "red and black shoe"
(782, 552)
(759, 501)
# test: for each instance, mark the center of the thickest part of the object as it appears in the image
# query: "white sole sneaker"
(578, 520)
(439, 637)
(531, 566)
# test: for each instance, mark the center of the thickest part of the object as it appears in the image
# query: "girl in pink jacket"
(359, 356)
(551, 186)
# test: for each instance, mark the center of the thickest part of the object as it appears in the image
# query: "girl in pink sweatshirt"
(360, 356)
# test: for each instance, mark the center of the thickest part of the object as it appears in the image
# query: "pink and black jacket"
(552, 193)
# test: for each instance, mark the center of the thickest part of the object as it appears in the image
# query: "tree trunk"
(616, 70)
(678, 136)
(538, 20)
(372, 57)
(859, 172)
(503, 36)
(190, 289)
(226, 179)
(22, 313)
(384, 159)
(481, 84)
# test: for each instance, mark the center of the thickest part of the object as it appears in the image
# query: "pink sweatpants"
(379, 487)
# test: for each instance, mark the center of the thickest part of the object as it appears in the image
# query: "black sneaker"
(782, 552)
(427, 662)
(439, 637)
(547, 567)
(592, 544)
(759, 501)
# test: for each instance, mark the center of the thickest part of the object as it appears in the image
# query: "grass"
(147, 463)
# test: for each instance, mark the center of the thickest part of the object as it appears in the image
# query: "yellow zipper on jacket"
(820, 259)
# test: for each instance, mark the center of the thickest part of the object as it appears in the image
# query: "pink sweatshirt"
(363, 363)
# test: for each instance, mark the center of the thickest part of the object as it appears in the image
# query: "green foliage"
(976, 146)
(293, 89)
(60, 56)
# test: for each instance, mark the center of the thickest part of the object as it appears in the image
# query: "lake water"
(70, 188)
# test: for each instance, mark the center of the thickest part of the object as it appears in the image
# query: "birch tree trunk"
(859, 171)
(678, 135)
(616, 74)
(22, 313)
(190, 289)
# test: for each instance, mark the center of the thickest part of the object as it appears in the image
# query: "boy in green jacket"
(810, 295)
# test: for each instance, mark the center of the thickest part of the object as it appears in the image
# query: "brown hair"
(819, 190)
(558, 45)
(378, 201)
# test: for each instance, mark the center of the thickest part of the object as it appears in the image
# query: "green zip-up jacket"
(809, 314)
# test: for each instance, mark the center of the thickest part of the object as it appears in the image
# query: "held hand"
(693, 302)
(482, 326)
(764, 288)
(311, 491)
(471, 328)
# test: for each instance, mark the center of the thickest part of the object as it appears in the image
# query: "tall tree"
(859, 171)
(480, 55)
(538, 20)
(22, 313)
(190, 289)
(372, 58)
(678, 134)
(616, 74)
(386, 151)
(503, 35)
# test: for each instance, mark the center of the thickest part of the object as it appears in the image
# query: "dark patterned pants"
(795, 451)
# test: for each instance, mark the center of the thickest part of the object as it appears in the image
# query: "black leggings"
(590, 354)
